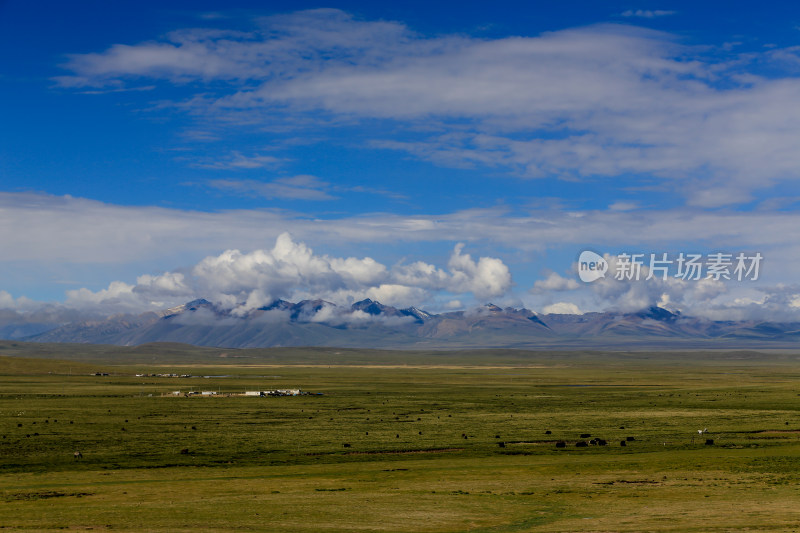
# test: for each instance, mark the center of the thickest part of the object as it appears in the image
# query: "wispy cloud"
(238, 161)
(623, 206)
(302, 187)
(120, 90)
(78, 230)
(647, 13)
(600, 101)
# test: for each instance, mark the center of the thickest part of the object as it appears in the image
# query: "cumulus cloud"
(400, 295)
(242, 282)
(119, 296)
(421, 274)
(261, 276)
(485, 278)
(6, 300)
(169, 284)
(604, 100)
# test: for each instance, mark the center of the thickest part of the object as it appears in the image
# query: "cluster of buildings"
(259, 393)
(275, 392)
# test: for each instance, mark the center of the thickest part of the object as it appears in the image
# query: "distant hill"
(370, 324)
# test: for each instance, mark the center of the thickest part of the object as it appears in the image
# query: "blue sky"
(436, 154)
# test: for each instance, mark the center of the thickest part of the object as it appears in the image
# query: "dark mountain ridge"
(370, 324)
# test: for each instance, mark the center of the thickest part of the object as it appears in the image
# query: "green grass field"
(398, 441)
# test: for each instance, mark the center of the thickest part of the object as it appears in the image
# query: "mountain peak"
(417, 312)
(372, 307)
(277, 304)
(657, 313)
(194, 305)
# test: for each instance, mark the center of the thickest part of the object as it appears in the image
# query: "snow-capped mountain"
(370, 324)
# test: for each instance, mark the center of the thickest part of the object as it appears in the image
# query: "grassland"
(398, 441)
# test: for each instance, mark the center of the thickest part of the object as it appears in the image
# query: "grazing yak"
(77, 455)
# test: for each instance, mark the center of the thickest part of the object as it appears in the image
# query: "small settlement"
(276, 392)
(260, 393)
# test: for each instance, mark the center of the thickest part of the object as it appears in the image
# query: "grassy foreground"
(433, 446)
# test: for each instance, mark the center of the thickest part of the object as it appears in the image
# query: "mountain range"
(370, 324)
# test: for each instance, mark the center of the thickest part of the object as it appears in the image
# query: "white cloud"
(486, 278)
(421, 274)
(291, 270)
(71, 230)
(301, 187)
(280, 47)
(753, 303)
(561, 308)
(623, 206)
(261, 276)
(359, 272)
(453, 304)
(605, 100)
(169, 283)
(639, 292)
(554, 282)
(705, 298)
(118, 297)
(77, 231)
(6, 300)
(718, 197)
(398, 295)
(328, 314)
